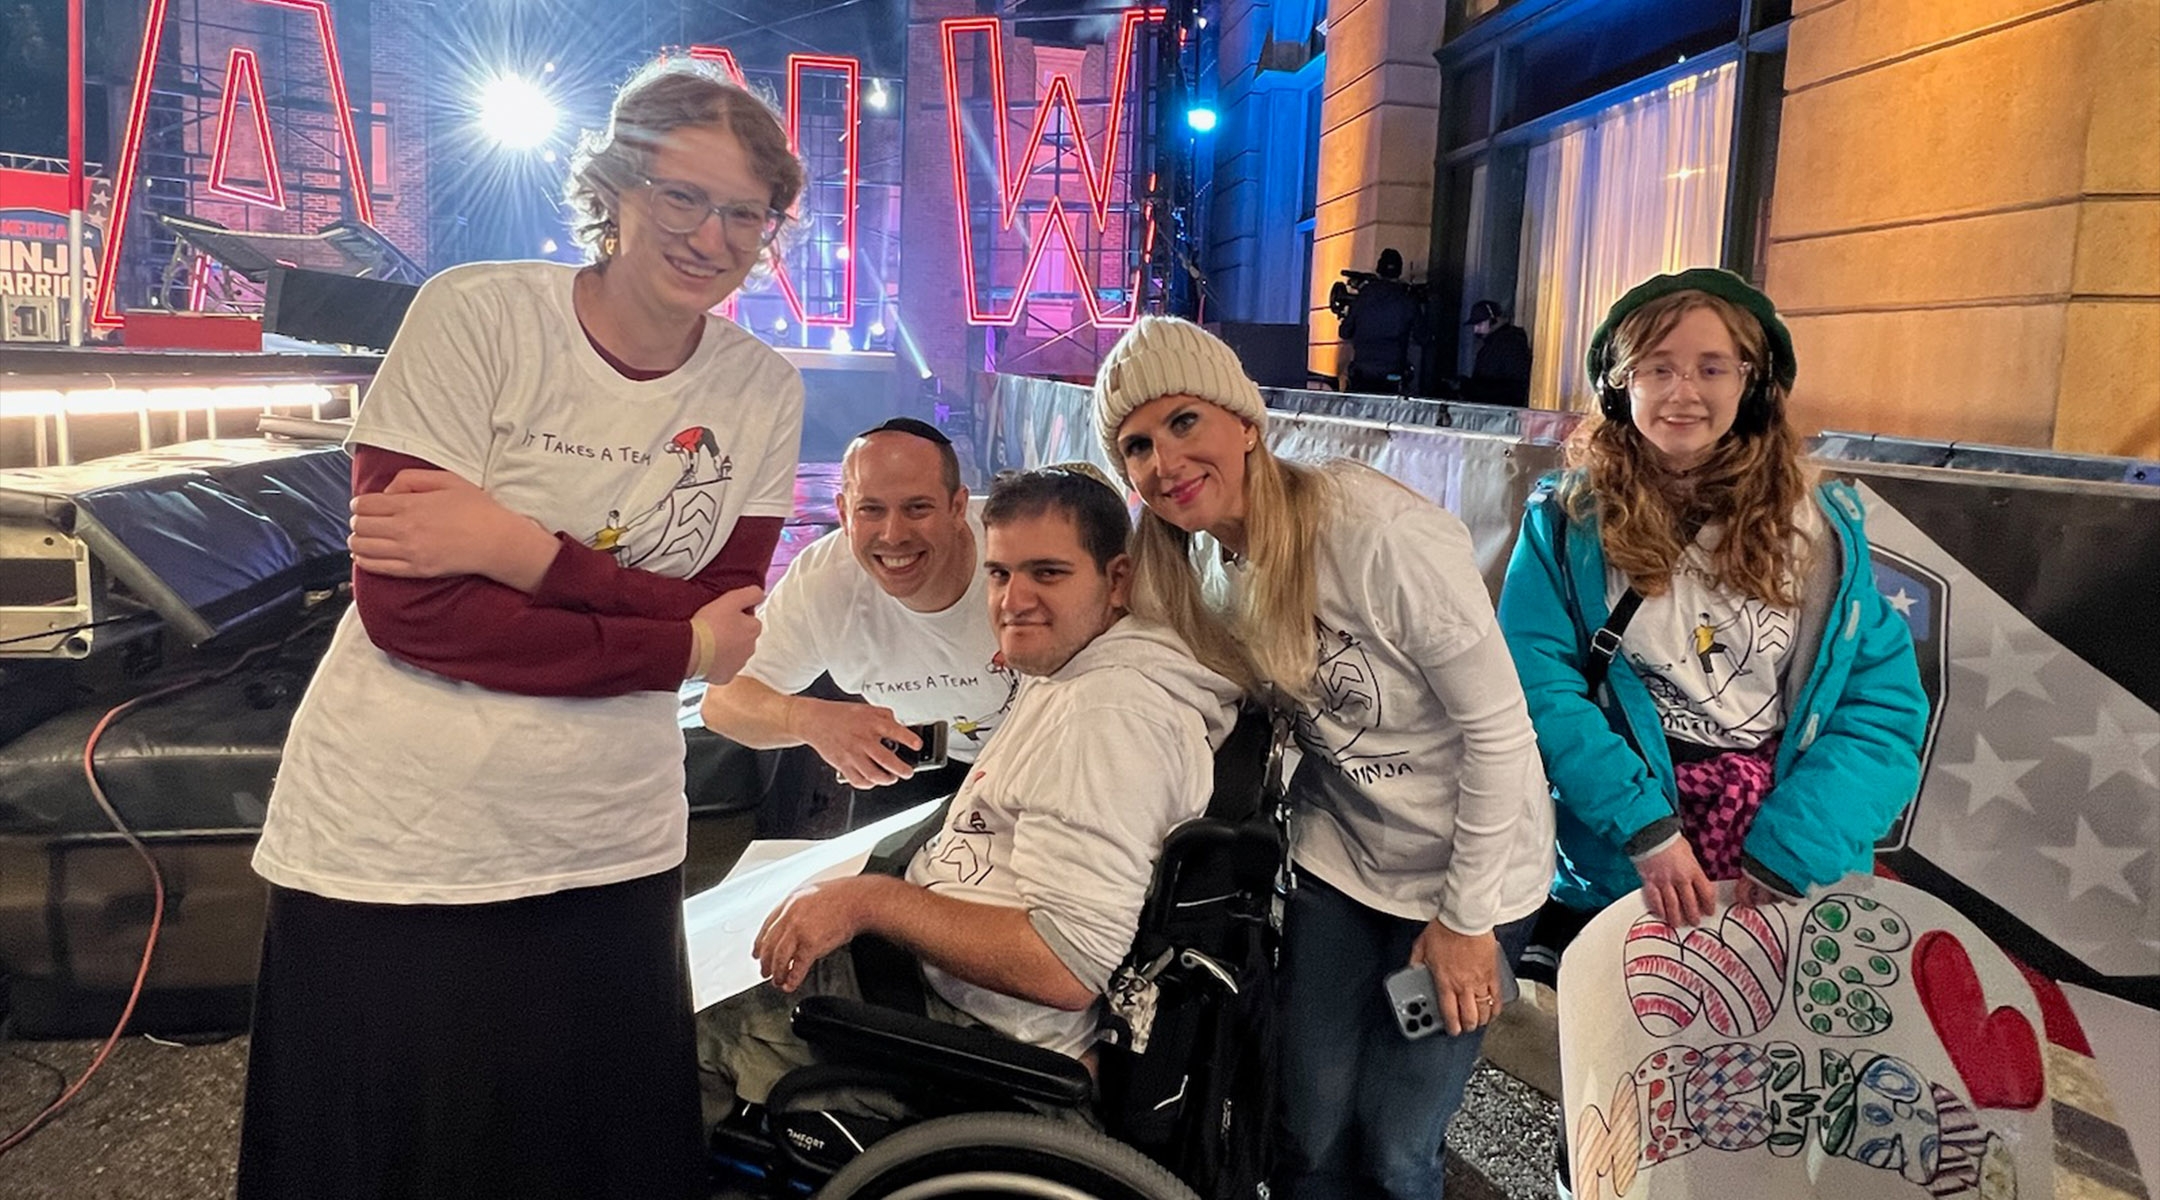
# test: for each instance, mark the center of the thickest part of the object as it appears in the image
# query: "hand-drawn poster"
(1868, 1042)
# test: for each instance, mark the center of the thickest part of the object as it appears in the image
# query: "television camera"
(1345, 290)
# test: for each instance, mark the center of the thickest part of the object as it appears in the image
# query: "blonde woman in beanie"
(1758, 717)
(1422, 828)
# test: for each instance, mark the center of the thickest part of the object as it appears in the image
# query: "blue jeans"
(1365, 1111)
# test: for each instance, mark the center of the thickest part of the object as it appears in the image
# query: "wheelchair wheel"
(1002, 1154)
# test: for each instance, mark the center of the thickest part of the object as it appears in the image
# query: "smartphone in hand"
(931, 755)
(1417, 1008)
(1410, 996)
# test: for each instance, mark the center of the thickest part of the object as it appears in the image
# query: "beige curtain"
(1630, 192)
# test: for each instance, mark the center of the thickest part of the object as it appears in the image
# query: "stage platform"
(67, 367)
(61, 405)
(71, 366)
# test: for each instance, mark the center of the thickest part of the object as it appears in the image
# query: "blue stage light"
(1200, 118)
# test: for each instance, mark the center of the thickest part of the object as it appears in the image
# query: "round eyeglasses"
(680, 208)
(1714, 379)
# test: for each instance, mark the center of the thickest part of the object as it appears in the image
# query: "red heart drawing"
(1995, 1053)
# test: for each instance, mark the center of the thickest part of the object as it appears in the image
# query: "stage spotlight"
(779, 324)
(878, 97)
(1200, 118)
(877, 329)
(515, 113)
(841, 342)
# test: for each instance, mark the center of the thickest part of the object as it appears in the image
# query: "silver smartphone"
(1416, 1007)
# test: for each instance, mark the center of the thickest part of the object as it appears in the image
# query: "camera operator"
(1380, 316)
(1501, 372)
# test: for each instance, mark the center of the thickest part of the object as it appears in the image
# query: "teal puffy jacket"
(1849, 761)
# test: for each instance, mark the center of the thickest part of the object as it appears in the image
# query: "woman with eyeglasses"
(1720, 692)
(569, 482)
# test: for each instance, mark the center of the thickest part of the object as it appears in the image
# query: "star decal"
(1989, 776)
(2008, 671)
(2094, 864)
(1903, 602)
(2113, 751)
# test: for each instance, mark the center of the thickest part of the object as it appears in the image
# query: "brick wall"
(933, 300)
(383, 51)
(933, 304)
(401, 69)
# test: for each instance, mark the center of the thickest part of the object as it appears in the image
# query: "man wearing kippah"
(891, 605)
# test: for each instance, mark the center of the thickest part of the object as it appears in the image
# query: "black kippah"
(912, 427)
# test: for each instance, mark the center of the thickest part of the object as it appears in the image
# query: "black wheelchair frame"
(987, 1115)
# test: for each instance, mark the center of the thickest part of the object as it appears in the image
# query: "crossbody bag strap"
(1605, 643)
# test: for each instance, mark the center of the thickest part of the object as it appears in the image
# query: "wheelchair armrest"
(976, 1057)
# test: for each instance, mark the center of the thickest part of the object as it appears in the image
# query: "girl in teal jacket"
(1761, 715)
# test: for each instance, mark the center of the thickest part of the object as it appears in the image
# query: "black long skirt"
(533, 1048)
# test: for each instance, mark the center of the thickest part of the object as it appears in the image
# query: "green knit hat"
(1718, 282)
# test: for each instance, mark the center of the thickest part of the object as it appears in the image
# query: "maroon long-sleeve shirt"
(593, 628)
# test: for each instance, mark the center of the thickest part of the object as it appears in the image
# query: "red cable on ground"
(157, 877)
(157, 914)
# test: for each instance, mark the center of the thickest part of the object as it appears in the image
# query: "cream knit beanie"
(1169, 356)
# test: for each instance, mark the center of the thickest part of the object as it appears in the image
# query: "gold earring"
(610, 240)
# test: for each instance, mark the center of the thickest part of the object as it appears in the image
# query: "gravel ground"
(162, 1122)
(158, 1122)
(1505, 1135)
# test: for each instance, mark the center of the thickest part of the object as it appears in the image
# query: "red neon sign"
(198, 283)
(104, 315)
(242, 73)
(1097, 176)
(797, 65)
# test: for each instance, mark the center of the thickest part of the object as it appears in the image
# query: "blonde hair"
(1268, 642)
(662, 96)
(1753, 481)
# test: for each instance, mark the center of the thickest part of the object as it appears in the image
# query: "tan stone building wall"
(1965, 229)
(1379, 126)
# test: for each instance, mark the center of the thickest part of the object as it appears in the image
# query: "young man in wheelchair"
(1023, 904)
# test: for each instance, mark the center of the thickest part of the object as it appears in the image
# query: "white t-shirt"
(1714, 660)
(402, 786)
(1065, 813)
(828, 615)
(1420, 792)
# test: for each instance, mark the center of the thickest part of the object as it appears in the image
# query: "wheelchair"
(1185, 1093)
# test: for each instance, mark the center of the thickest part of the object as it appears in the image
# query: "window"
(1572, 61)
(1630, 191)
(379, 174)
